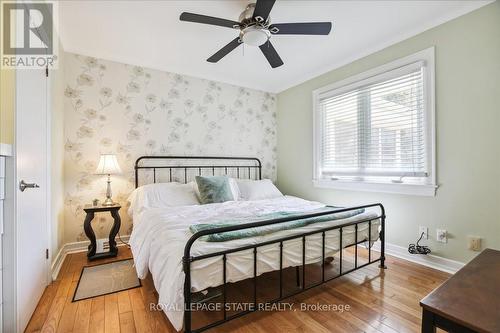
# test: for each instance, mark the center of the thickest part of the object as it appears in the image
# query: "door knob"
(23, 185)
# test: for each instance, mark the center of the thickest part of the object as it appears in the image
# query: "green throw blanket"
(264, 230)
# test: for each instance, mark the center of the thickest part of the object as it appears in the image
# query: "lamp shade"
(108, 165)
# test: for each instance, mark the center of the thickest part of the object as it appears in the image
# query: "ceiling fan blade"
(310, 28)
(225, 50)
(263, 8)
(271, 54)
(197, 18)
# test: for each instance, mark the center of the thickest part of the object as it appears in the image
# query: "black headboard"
(184, 168)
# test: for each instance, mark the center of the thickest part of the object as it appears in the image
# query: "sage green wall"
(468, 137)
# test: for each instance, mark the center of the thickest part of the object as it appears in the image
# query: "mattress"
(160, 234)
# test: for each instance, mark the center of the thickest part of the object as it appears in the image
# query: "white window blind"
(376, 127)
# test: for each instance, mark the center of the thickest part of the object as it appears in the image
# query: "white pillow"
(235, 191)
(161, 195)
(257, 189)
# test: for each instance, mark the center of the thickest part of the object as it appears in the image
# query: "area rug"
(106, 279)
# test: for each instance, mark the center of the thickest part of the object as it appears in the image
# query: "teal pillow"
(214, 189)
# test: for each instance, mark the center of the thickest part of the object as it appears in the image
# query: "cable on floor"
(417, 248)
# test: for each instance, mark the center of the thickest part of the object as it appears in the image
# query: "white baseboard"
(76, 247)
(57, 263)
(429, 260)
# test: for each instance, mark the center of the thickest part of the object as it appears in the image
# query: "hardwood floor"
(380, 301)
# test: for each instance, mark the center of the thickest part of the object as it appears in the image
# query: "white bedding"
(160, 234)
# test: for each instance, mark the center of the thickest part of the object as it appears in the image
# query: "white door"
(31, 207)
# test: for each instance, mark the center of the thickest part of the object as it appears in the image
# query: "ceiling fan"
(256, 30)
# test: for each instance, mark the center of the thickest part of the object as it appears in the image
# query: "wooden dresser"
(469, 301)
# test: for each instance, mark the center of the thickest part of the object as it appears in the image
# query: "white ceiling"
(149, 33)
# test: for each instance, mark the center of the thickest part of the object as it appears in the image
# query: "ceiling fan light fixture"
(255, 29)
(254, 36)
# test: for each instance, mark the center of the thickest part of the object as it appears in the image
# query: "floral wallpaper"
(132, 111)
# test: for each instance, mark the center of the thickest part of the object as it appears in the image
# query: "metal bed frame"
(249, 164)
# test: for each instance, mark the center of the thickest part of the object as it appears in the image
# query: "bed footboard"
(188, 259)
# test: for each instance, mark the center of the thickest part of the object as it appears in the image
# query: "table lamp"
(108, 165)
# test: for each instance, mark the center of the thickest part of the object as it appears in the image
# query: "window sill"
(409, 189)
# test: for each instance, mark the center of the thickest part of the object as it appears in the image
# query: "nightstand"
(113, 249)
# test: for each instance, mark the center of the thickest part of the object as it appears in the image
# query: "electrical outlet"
(423, 230)
(441, 236)
(474, 243)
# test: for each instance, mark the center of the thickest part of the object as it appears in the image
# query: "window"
(375, 131)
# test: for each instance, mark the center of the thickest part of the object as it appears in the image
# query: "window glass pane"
(376, 130)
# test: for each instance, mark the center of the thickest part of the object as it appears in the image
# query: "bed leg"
(382, 264)
(187, 295)
(382, 253)
(297, 275)
(382, 243)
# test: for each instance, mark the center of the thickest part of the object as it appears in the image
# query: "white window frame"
(427, 188)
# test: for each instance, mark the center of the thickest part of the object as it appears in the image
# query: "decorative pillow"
(214, 189)
(161, 195)
(232, 184)
(257, 189)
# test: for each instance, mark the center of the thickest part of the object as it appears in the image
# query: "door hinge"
(46, 253)
(47, 71)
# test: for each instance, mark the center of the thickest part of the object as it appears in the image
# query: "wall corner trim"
(75, 247)
(5, 149)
